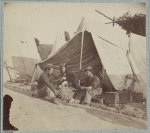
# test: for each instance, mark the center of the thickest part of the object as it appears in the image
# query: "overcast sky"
(23, 22)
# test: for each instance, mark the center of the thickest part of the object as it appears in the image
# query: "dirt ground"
(29, 113)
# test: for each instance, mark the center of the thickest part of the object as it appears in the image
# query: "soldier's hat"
(62, 65)
(48, 66)
(89, 68)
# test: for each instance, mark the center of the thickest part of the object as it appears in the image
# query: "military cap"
(48, 66)
(63, 65)
(88, 68)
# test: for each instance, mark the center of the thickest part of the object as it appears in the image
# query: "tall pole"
(7, 69)
(8, 73)
(15, 73)
(81, 52)
(131, 63)
(104, 15)
(128, 55)
(33, 76)
(82, 39)
(113, 20)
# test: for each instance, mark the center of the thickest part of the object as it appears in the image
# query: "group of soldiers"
(51, 86)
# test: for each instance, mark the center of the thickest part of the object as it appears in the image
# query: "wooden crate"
(137, 97)
(122, 97)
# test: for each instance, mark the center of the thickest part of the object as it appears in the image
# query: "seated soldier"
(65, 77)
(90, 87)
(47, 86)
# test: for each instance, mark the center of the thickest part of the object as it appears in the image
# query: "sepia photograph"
(74, 66)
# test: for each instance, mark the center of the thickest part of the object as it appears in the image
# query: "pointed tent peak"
(59, 42)
(36, 41)
(92, 24)
(87, 24)
(82, 25)
(44, 50)
(67, 36)
(115, 34)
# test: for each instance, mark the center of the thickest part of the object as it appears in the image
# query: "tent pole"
(82, 39)
(129, 52)
(130, 62)
(15, 73)
(7, 69)
(33, 73)
(129, 43)
(8, 73)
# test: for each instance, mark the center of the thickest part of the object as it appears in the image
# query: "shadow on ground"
(114, 118)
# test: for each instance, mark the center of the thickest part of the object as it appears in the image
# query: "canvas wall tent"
(61, 39)
(25, 59)
(99, 46)
(46, 50)
(21, 46)
(137, 47)
(24, 65)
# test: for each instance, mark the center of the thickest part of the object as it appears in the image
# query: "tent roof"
(59, 42)
(114, 35)
(44, 50)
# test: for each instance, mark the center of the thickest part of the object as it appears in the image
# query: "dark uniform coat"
(94, 82)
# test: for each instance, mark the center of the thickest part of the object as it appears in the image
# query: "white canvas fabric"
(138, 50)
(59, 42)
(115, 34)
(114, 61)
